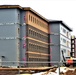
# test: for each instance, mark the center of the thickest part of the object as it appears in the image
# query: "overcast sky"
(51, 9)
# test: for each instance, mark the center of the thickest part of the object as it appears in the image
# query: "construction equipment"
(69, 61)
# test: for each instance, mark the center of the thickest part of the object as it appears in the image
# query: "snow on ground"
(40, 73)
(62, 69)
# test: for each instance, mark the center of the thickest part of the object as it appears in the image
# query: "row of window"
(66, 32)
(37, 43)
(37, 48)
(66, 42)
(37, 59)
(37, 21)
(37, 56)
(66, 51)
(38, 64)
(38, 35)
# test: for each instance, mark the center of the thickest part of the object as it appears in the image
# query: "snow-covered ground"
(61, 69)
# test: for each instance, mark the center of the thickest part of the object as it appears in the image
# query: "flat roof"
(23, 8)
(61, 22)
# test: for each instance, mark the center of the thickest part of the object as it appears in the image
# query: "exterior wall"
(37, 39)
(54, 29)
(73, 46)
(54, 43)
(66, 32)
(9, 36)
(37, 22)
(65, 41)
(15, 25)
(66, 51)
(5, 18)
(57, 44)
(54, 55)
(23, 40)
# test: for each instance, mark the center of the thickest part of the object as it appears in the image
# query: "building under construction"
(23, 36)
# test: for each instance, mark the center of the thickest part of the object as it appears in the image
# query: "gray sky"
(51, 9)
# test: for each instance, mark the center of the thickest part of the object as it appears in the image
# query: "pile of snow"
(52, 73)
(40, 73)
(61, 69)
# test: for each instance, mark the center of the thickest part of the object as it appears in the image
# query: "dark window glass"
(35, 20)
(29, 17)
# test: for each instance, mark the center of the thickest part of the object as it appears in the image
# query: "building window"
(29, 17)
(73, 37)
(33, 19)
(67, 43)
(64, 40)
(72, 50)
(37, 34)
(33, 33)
(64, 30)
(18, 31)
(18, 16)
(72, 46)
(72, 41)
(29, 31)
(72, 54)
(64, 50)
(67, 34)
(68, 53)
(37, 21)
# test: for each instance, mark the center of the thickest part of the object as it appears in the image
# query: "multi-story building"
(73, 46)
(60, 40)
(23, 36)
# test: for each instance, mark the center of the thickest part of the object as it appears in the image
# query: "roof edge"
(61, 22)
(23, 8)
